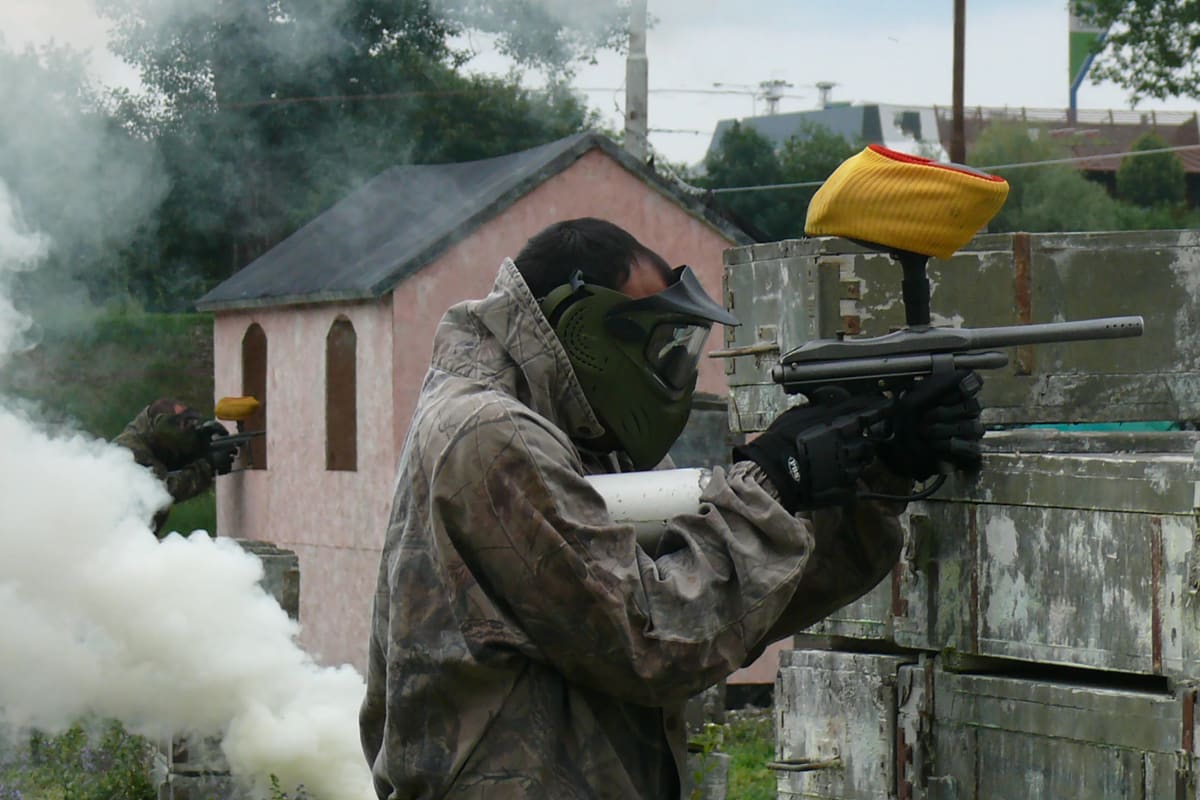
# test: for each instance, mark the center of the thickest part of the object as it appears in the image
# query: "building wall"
(334, 521)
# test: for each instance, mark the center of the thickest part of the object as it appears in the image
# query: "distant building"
(332, 329)
(1101, 138)
(908, 129)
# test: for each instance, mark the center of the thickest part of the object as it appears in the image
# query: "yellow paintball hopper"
(905, 203)
(236, 409)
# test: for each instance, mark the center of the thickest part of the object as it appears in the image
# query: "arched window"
(341, 396)
(254, 384)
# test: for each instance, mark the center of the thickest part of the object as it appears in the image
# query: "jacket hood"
(141, 425)
(504, 340)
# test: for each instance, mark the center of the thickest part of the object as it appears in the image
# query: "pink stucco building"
(332, 330)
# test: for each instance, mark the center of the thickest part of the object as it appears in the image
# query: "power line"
(742, 92)
(1076, 159)
(355, 98)
(996, 168)
(417, 93)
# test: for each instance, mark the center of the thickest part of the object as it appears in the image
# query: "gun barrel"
(237, 438)
(1047, 332)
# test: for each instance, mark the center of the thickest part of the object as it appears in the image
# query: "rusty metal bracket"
(1156, 572)
(1022, 254)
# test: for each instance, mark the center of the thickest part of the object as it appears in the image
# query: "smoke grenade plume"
(98, 617)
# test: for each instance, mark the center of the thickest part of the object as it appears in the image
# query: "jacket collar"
(506, 341)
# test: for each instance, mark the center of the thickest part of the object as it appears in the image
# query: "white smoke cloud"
(99, 617)
(18, 251)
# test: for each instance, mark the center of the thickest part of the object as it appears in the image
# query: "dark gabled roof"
(407, 216)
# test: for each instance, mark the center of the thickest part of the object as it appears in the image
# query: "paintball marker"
(911, 208)
(827, 371)
(219, 441)
(892, 362)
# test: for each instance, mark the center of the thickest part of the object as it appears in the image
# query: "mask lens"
(673, 352)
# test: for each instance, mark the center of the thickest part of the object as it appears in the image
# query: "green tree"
(1151, 45)
(743, 158)
(1054, 197)
(268, 111)
(1156, 179)
(77, 178)
(810, 155)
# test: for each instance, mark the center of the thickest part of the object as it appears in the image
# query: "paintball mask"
(637, 360)
(174, 431)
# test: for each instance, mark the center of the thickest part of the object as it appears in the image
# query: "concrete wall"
(336, 521)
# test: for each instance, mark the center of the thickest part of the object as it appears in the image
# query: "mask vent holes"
(577, 343)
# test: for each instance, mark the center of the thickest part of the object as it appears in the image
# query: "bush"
(1152, 181)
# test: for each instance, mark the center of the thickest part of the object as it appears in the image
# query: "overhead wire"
(994, 168)
(722, 190)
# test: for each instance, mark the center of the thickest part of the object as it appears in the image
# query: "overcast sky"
(886, 51)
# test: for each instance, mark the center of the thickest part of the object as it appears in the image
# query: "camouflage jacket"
(183, 481)
(523, 645)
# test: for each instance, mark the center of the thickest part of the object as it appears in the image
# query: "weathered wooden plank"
(1082, 559)
(1001, 737)
(839, 716)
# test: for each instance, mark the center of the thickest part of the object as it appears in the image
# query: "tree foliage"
(75, 176)
(1058, 197)
(1155, 179)
(743, 157)
(1151, 45)
(268, 111)
(1054, 197)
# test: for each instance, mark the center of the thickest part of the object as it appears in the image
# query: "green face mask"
(637, 360)
(175, 438)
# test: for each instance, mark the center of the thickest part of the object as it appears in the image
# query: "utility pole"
(958, 139)
(636, 85)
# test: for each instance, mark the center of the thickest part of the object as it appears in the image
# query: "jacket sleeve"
(854, 548)
(191, 480)
(513, 501)
(182, 484)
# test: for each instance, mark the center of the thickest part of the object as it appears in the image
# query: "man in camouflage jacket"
(523, 645)
(166, 438)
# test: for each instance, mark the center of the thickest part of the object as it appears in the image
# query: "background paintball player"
(176, 443)
(523, 644)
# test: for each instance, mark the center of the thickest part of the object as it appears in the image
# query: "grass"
(87, 762)
(95, 375)
(748, 738)
(750, 742)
